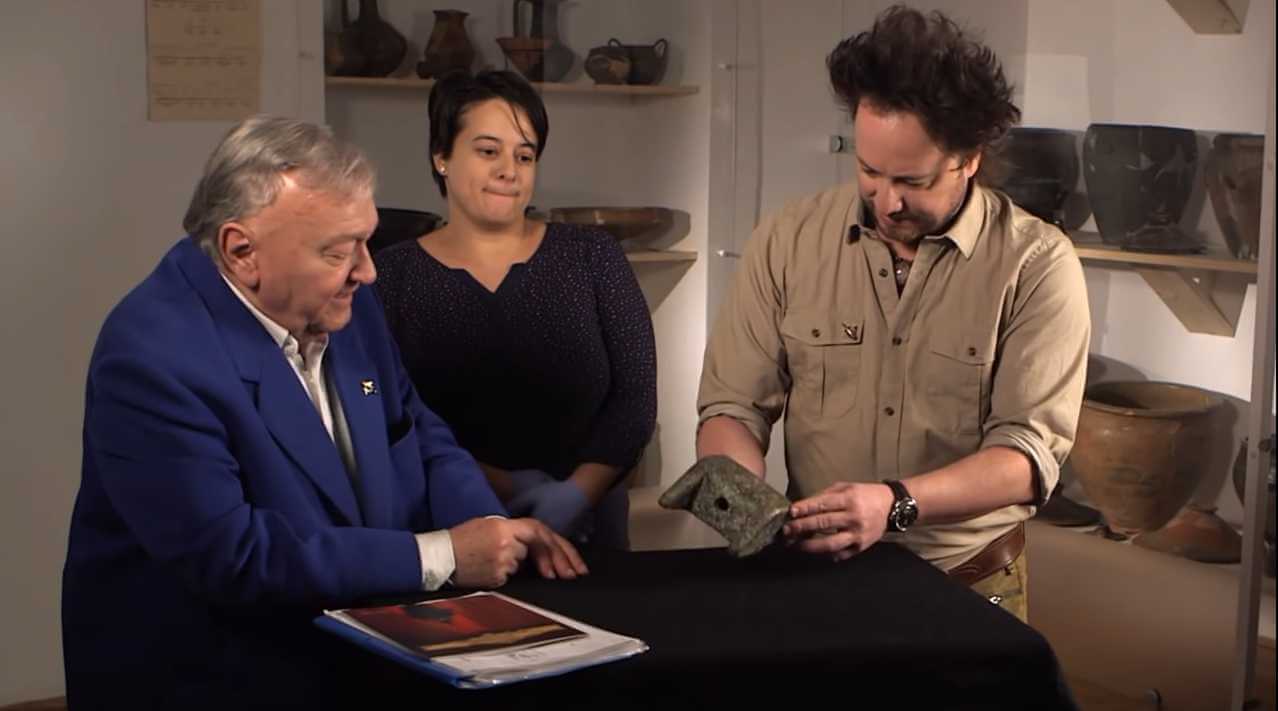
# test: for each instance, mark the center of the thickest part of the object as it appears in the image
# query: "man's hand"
(554, 556)
(558, 504)
(488, 551)
(841, 521)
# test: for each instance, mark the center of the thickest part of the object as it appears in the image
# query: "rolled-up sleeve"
(1038, 383)
(744, 374)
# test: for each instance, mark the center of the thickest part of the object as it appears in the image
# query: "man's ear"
(238, 252)
(973, 164)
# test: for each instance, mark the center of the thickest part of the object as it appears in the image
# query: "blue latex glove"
(558, 504)
(522, 480)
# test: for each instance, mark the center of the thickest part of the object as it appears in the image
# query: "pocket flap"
(821, 328)
(961, 350)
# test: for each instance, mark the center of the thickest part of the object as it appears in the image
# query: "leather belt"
(994, 557)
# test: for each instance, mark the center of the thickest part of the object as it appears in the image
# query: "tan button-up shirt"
(986, 346)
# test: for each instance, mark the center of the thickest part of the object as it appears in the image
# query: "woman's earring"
(443, 170)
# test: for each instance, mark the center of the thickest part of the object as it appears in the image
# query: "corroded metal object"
(731, 500)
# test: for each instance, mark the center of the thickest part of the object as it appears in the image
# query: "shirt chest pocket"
(956, 383)
(823, 352)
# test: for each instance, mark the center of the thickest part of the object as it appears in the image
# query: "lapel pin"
(368, 386)
(850, 331)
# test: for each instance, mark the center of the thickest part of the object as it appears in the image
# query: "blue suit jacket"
(215, 516)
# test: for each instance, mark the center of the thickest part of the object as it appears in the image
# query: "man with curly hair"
(926, 338)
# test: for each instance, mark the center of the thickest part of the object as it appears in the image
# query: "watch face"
(909, 513)
(904, 513)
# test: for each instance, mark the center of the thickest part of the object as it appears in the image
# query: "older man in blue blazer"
(254, 451)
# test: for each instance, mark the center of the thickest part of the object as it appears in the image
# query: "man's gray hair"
(246, 171)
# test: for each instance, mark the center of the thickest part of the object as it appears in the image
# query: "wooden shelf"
(1212, 17)
(1204, 291)
(412, 84)
(1089, 247)
(660, 255)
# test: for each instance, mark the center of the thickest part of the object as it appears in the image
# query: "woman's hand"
(558, 504)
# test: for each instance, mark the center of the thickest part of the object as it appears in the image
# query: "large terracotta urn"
(1142, 448)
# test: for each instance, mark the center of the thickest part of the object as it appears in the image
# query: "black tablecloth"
(882, 629)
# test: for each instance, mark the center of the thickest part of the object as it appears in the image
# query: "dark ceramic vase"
(383, 46)
(1234, 177)
(538, 54)
(608, 65)
(342, 54)
(449, 48)
(1142, 448)
(1139, 179)
(1042, 170)
(647, 61)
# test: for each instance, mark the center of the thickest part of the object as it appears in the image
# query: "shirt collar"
(964, 232)
(285, 340)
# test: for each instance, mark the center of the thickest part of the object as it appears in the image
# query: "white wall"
(93, 195)
(602, 150)
(1137, 62)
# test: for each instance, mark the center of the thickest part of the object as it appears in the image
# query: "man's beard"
(911, 227)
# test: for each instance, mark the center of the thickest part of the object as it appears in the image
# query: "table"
(882, 629)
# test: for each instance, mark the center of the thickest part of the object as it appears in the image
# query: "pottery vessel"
(1139, 179)
(1142, 448)
(449, 48)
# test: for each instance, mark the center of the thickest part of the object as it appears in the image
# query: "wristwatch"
(904, 511)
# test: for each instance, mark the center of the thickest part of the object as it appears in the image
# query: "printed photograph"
(476, 623)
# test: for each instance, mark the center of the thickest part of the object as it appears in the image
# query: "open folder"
(479, 640)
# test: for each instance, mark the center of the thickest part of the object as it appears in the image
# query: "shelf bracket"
(1204, 301)
(1212, 17)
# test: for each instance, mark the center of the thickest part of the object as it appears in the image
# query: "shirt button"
(889, 411)
(883, 272)
(971, 352)
(896, 340)
(816, 333)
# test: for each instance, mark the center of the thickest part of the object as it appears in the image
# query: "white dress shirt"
(435, 548)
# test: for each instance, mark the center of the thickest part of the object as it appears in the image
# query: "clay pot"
(608, 64)
(383, 46)
(632, 226)
(1196, 534)
(1142, 448)
(537, 58)
(538, 55)
(449, 48)
(1234, 176)
(647, 62)
(1139, 179)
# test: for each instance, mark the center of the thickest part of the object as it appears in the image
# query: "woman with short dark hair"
(532, 341)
